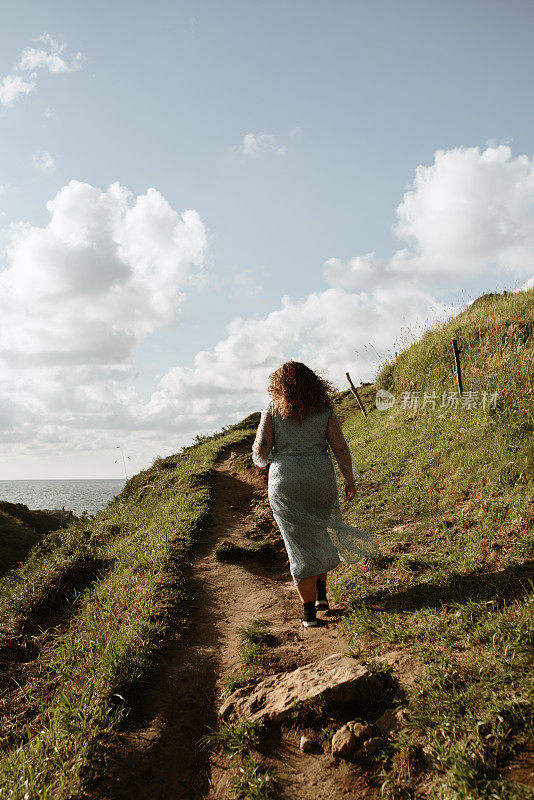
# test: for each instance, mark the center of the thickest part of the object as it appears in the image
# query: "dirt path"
(158, 758)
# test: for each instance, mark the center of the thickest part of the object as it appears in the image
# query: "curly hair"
(296, 391)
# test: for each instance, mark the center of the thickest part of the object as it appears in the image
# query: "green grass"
(20, 530)
(16, 541)
(231, 551)
(89, 661)
(254, 638)
(253, 781)
(237, 739)
(450, 494)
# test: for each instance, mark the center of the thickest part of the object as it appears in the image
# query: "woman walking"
(295, 429)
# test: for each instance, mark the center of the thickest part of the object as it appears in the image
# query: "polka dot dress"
(304, 499)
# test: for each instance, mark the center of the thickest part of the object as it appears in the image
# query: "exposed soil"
(158, 757)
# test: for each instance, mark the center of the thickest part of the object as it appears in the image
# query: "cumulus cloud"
(255, 145)
(332, 331)
(469, 216)
(51, 56)
(361, 272)
(106, 270)
(109, 268)
(77, 295)
(471, 212)
(43, 161)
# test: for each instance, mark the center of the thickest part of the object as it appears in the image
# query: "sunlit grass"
(451, 496)
(90, 660)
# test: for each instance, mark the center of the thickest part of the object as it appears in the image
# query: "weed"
(255, 632)
(254, 636)
(236, 738)
(253, 781)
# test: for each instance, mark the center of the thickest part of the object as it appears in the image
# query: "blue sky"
(342, 103)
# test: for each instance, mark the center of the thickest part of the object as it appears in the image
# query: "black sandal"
(309, 615)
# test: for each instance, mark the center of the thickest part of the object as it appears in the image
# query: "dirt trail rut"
(158, 757)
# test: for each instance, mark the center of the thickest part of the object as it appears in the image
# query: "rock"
(306, 744)
(361, 731)
(391, 720)
(370, 747)
(343, 742)
(347, 739)
(337, 678)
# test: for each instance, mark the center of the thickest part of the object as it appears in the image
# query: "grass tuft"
(253, 781)
(236, 738)
(230, 551)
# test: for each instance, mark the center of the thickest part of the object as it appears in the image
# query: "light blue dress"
(303, 492)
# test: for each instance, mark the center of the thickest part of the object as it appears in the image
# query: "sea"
(74, 495)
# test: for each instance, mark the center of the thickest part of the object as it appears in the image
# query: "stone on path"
(371, 746)
(348, 738)
(337, 678)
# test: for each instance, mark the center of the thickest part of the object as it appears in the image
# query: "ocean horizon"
(72, 494)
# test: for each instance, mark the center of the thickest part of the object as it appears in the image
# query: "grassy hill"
(449, 491)
(21, 529)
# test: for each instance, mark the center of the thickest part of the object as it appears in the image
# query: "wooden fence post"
(356, 395)
(457, 362)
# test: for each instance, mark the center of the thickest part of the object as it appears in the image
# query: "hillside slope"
(450, 492)
(443, 614)
(21, 529)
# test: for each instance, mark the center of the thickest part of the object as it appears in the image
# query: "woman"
(295, 428)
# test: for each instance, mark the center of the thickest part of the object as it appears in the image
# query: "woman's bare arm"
(341, 451)
(263, 442)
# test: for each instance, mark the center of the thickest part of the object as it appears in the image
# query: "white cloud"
(76, 296)
(106, 270)
(23, 80)
(43, 161)
(527, 285)
(471, 212)
(14, 86)
(360, 273)
(110, 267)
(328, 330)
(468, 216)
(255, 145)
(52, 57)
(246, 284)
